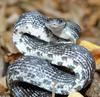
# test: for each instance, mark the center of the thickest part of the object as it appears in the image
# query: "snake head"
(55, 24)
(68, 30)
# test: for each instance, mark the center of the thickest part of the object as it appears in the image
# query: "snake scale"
(51, 58)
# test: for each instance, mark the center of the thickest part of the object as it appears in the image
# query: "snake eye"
(61, 21)
(47, 20)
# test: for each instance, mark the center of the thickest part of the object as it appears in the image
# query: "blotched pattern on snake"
(48, 44)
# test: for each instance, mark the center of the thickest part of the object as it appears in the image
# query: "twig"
(53, 90)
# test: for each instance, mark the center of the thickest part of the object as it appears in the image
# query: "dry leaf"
(75, 94)
(10, 58)
(93, 48)
(94, 18)
(3, 86)
(2, 65)
(94, 2)
(6, 42)
(2, 17)
(90, 46)
(4, 92)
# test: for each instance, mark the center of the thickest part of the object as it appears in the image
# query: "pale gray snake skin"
(45, 53)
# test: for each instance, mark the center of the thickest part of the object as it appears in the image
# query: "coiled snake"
(48, 45)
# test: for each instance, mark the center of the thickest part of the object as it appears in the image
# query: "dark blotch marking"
(75, 62)
(26, 27)
(64, 92)
(77, 75)
(20, 40)
(28, 49)
(29, 32)
(60, 86)
(39, 36)
(29, 74)
(32, 75)
(84, 77)
(15, 31)
(64, 58)
(47, 82)
(15, 72)
(20, 78)
(71, 67)
(23, 53)
(73, 83)
(59, 63)
(15, 43)
(78, 88)
(21, 32)
(39, 84)
(39, 54)
(48, 34)
(50, 55)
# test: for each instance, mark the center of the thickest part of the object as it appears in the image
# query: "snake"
(51, 61)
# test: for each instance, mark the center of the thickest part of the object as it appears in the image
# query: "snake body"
(45, 52)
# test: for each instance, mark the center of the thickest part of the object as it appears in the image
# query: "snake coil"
(44, 44)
